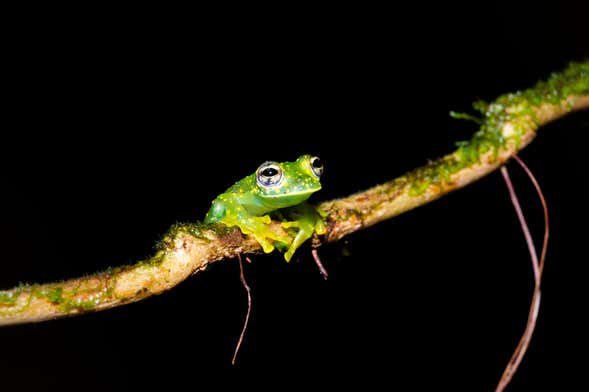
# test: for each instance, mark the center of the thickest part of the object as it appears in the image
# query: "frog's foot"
(264, 233)
(304, 233)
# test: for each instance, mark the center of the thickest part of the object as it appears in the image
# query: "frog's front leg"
(308, 221)
(231, 213)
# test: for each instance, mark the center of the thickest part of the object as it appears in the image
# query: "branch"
(507, 125)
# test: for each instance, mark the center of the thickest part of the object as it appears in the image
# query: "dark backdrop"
(120, 123)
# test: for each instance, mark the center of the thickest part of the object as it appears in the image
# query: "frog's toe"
(274, 236)
(289, 224)
(289, 253)
(320, 227)
(266, 245)
(265, 219)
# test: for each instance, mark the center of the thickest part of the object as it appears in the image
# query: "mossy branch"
(506, 125)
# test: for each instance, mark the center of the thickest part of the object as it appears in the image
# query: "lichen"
(7, 298)
(196, 230)
(154, 261)
(55, 295)
(68, 306)
(99, 288)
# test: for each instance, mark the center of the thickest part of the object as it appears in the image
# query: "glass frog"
(279, 190)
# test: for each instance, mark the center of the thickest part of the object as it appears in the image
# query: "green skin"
(249, 203)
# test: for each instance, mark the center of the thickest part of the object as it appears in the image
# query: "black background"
(120, 123)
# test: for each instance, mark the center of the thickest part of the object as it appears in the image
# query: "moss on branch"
(507, 125)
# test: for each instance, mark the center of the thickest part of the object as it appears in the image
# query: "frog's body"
(276, 188)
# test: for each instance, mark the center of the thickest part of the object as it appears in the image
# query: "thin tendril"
(524, 342)
(522, 222)
(544, 206)
(322, 269)
(249, 308)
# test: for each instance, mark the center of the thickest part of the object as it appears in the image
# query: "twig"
(508, 125)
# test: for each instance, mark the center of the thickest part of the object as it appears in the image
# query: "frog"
(276, 190)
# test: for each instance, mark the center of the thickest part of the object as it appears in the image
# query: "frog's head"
(288, 183)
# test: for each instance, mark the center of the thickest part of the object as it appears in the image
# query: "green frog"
(279, 190)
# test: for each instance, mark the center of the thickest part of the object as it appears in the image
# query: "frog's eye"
(269, 174)
(316, 166)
